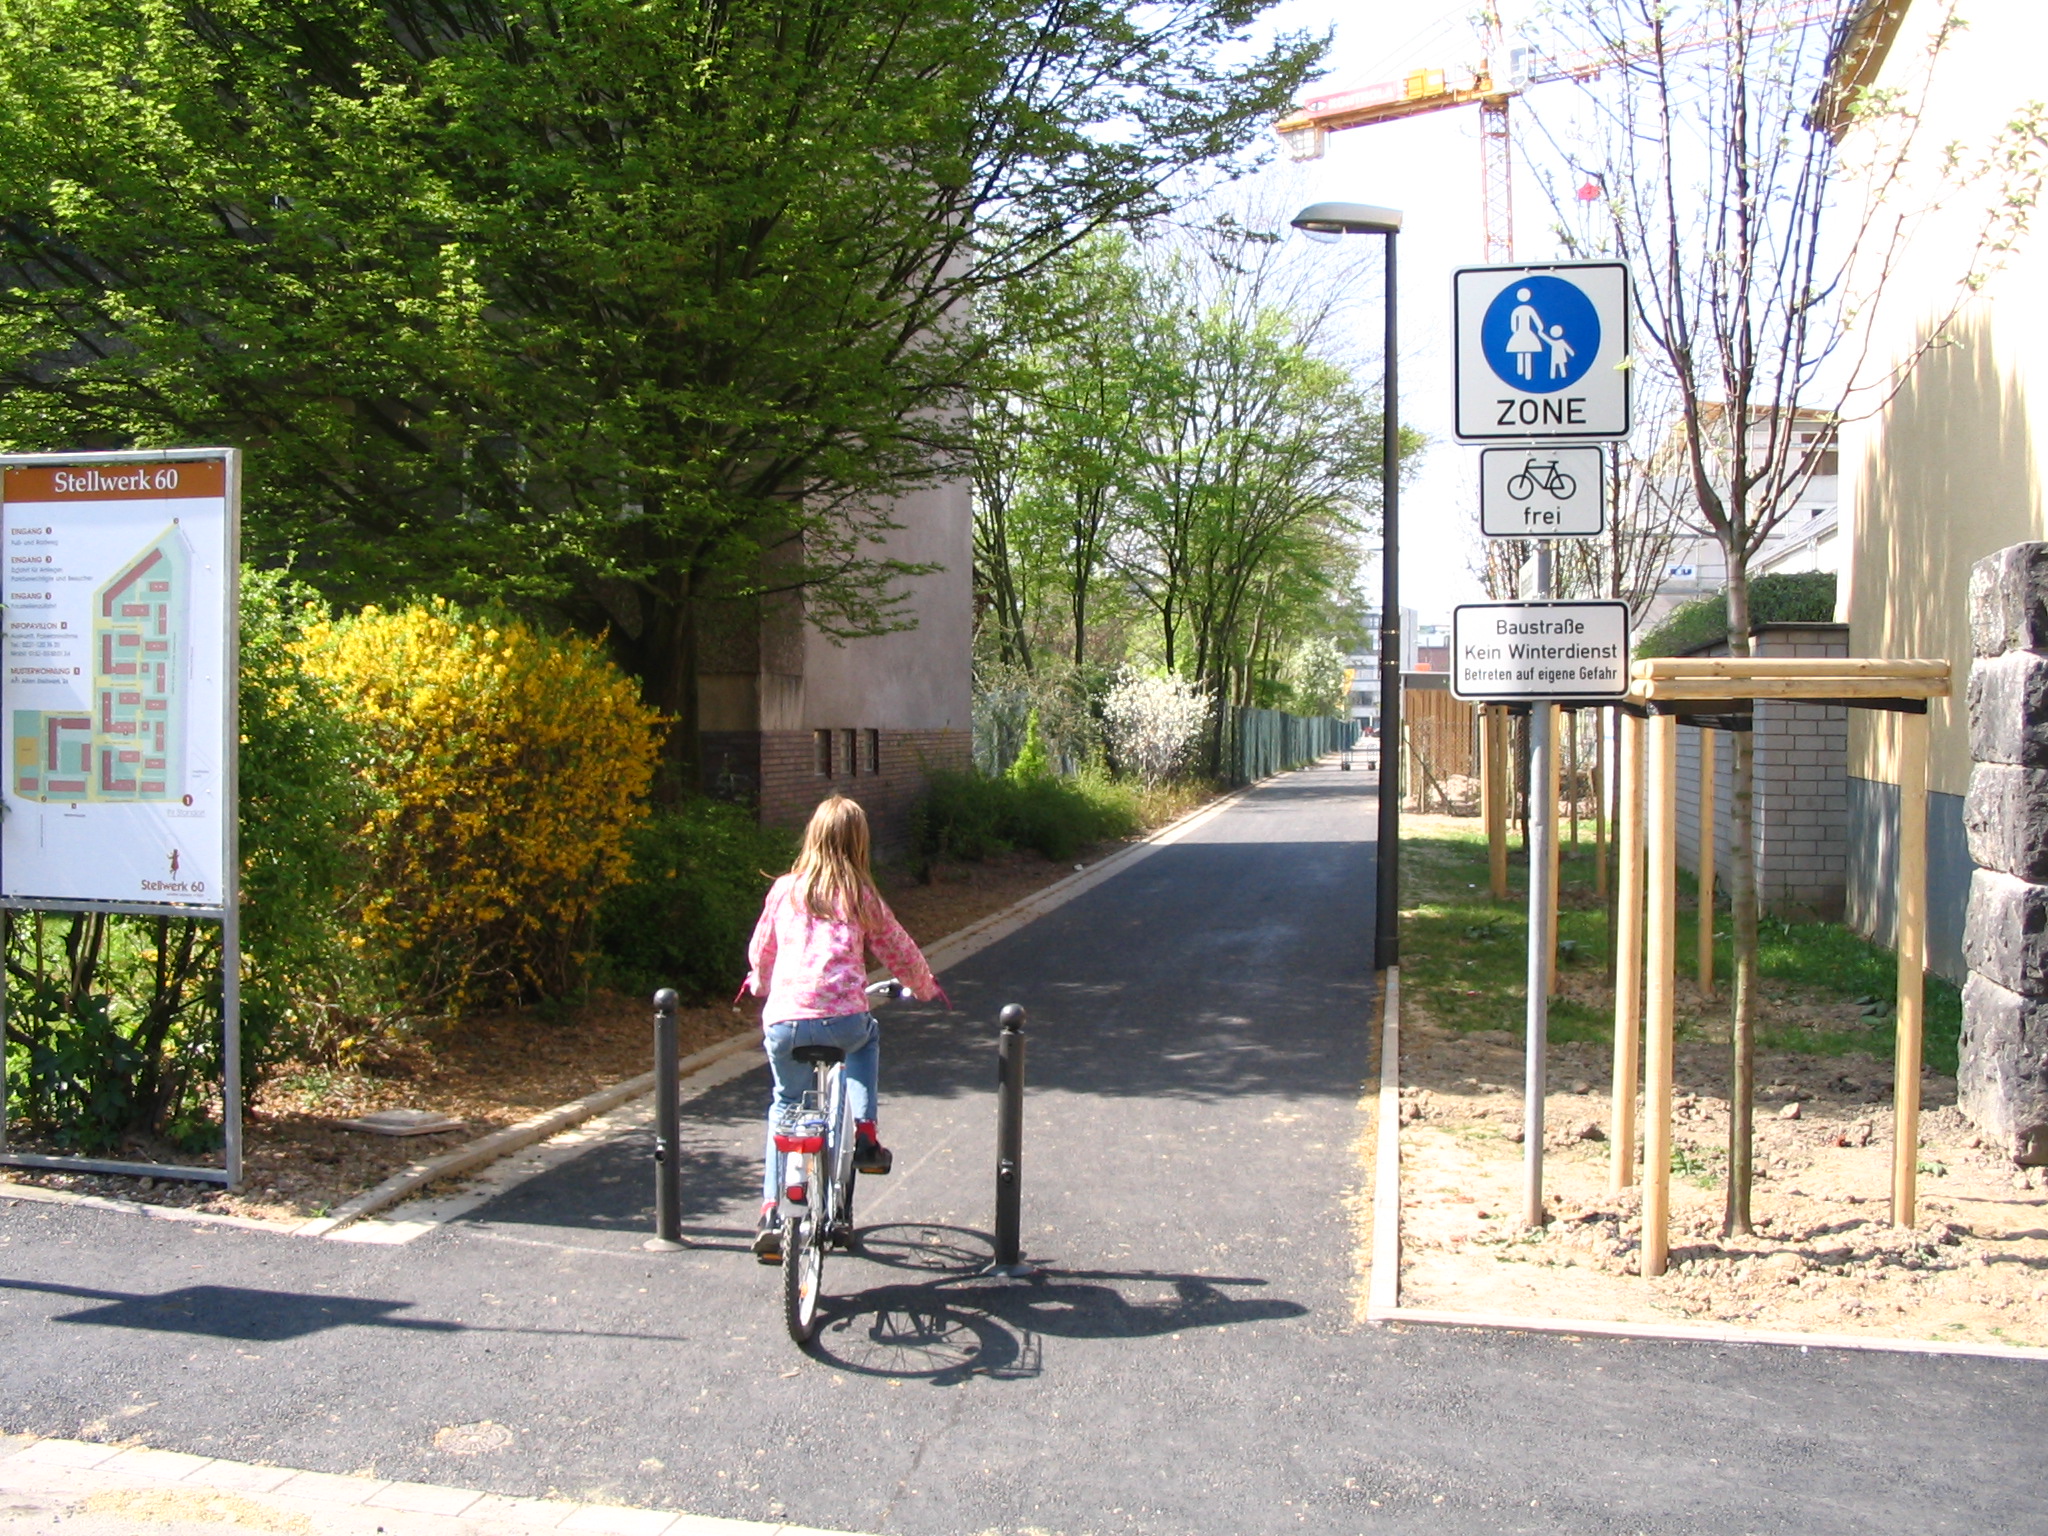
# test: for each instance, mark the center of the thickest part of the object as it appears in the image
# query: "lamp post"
(1330, 221)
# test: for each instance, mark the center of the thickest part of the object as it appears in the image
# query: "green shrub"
(970, 816)
(1785, 597)
(683, 916)
(1033, 762)
(514, 765)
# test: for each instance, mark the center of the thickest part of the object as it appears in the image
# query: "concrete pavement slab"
(149, 1493)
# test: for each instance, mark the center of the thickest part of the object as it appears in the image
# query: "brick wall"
(1802, 790)
(886, 774)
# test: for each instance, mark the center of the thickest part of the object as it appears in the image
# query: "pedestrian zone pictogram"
(1541, 335)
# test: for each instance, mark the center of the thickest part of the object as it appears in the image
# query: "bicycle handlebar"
(896, 992)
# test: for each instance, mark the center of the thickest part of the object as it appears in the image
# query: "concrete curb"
(1384, 1294)
(1701, 1333)
(1383, 1302)
(488, 1149)
(133, 1488)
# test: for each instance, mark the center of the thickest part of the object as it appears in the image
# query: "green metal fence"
(1262, 741)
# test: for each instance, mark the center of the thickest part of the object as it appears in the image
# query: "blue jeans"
(858, 1035)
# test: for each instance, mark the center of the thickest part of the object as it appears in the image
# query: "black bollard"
(668, 1127)
(1010, 1144)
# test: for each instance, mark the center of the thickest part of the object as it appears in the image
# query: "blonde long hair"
(832, 881)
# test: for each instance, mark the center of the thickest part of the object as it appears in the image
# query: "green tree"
(636, 310)
(1178, 455)
(1261, 467)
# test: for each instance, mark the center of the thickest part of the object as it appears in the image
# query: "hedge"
(1788, 597)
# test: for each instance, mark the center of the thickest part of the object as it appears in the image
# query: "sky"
(1429, 168)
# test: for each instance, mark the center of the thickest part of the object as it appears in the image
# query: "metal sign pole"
(1542, 832)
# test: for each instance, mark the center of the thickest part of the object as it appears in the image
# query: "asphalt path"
(1189, 1362)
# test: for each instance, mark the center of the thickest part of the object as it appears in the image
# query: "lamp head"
(1329, 221)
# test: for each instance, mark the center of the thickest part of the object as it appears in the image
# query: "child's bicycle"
(816, 1203)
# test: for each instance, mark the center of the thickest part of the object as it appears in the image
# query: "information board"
(1506, 652)
(1542, 351)
(116, 695)
(1542, 492)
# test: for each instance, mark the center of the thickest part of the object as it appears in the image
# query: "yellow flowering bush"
(512, 767)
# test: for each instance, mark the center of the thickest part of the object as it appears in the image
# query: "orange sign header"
(144, 481)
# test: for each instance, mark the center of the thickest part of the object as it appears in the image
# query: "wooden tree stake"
(1494, 790)
(1571, 775)
(1912, 949)
(1706, 863)
(1600, 803)
(1660, 982)
(1628, 952)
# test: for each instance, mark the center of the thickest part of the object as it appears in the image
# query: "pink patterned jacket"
(811, 968)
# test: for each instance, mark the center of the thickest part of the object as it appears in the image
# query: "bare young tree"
(1751, 249)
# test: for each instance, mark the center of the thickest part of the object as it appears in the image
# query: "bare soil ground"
(492, 1071)
(1825, 1257)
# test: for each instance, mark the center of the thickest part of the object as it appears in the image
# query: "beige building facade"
(789, 716)
(1941, 465)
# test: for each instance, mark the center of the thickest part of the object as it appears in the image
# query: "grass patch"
(1464, 956)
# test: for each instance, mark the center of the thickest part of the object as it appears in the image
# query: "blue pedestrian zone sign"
(1542, 352)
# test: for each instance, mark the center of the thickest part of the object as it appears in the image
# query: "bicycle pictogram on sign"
(1545, 477)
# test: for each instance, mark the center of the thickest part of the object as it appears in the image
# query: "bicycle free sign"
(1542, 492)
(1503, 653)
(1542, 352)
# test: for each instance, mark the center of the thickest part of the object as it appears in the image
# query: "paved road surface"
(1190, 1364)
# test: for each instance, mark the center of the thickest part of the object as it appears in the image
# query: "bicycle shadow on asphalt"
(248, 1315)
(957, 1323)
(232, 1311)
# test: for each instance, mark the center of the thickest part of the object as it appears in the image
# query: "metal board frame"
(228, 911)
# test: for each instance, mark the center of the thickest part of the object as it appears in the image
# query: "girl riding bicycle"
(808, 960)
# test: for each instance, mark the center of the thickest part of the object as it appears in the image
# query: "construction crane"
(1305, 130)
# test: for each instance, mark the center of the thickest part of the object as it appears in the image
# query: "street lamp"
(1330, 221)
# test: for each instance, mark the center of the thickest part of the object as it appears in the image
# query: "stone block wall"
(1801, 807)
(2002, 1084)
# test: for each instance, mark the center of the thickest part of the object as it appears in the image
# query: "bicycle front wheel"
(803, 1275)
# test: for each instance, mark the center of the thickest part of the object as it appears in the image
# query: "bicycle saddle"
(816, 1054)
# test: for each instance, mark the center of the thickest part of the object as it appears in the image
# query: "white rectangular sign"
(117, 693)
(1545, 491)
(1542, 351)
(1502, 652)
